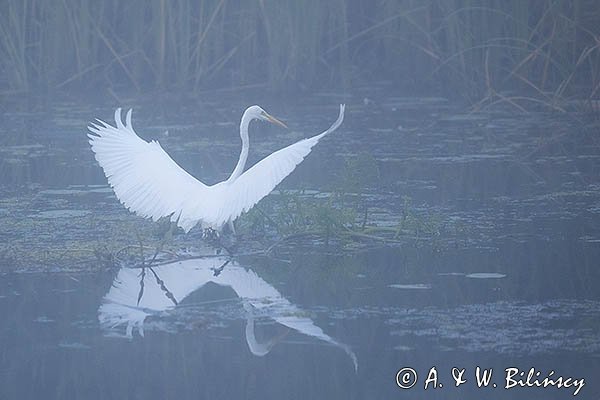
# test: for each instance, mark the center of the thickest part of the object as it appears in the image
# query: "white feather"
(148, 182)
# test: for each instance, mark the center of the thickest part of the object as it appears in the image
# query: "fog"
(449, 222)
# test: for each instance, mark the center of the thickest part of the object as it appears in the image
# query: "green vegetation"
(347, 218)
(342, 216)
(298, 215)
(547, 51)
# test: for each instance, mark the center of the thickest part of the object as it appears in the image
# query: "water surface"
(508, 277)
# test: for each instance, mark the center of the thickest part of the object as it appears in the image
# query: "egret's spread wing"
(261, 179)
(145, 179)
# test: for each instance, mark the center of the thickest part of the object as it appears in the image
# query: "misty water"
(509, 279)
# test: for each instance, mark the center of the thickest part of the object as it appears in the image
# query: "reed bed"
(512, 51)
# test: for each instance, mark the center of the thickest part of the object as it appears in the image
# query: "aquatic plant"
(342, 215)
(339, 219)
(546, 51)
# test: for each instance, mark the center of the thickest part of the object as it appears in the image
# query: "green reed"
(485, 51)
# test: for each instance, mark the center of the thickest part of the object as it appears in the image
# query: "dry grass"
(547, 51)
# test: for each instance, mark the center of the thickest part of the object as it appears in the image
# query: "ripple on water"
(507, 327)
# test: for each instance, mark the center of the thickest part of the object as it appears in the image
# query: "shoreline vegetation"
(521, 53)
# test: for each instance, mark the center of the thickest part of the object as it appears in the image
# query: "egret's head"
(256, 112)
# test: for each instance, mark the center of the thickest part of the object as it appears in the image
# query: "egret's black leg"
(168, 236)
(232, 227)
(217, 271)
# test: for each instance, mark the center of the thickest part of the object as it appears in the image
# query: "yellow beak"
(275, 121)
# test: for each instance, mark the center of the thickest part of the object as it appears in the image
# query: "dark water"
(510, 278)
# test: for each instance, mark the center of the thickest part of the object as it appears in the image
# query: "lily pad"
(417, 286)
(52, 214)
(486, 275)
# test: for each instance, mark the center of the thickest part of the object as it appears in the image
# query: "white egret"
(133, 297)
(150, 183)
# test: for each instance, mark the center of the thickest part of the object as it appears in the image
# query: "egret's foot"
(220, 241)
(217, 271)
(210, 235)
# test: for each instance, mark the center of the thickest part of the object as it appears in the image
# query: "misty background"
(522, 52)
(453, 219)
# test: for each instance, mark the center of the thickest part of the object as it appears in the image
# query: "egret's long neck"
(239, 168)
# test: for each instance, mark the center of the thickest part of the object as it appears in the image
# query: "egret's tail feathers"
(143, 176)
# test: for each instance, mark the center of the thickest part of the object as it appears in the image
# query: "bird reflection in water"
(137, 293)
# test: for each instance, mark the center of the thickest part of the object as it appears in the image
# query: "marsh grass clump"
(516, 53)
(327, 217)
(410, 223)
(327, 213)
(292, 212)
(343, 215)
